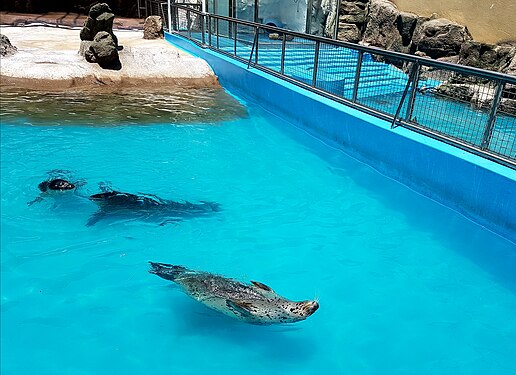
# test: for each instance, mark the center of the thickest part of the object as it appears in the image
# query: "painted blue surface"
(478, 188)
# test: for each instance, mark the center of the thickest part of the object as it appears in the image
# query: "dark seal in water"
(56, 184)
(112, 203)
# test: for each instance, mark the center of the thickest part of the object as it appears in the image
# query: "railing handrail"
(426, 61)
(451, 82)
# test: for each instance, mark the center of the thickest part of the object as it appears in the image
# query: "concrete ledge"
(48, 59)
(481, 190)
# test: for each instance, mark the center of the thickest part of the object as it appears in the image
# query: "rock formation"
(440, 38)
(98, 42)
(352, 19)
(103, 51)
(153, 27)
(6, 48)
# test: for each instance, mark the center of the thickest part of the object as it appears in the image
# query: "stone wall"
(488, 21)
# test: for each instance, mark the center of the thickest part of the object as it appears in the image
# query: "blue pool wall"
(481, 190)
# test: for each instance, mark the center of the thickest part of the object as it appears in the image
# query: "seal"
(254, 303)
(116, 202)
(56, 184)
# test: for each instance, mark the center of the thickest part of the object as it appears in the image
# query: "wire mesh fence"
(445, 101)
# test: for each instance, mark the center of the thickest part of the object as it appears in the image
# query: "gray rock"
(462, 92)
(353, 11)
(100, 19)
(6, 48)
(97, 9)
(406, 24)
(381, 30)
(103, 51)
(153, 28)
(440, 37)
(508, 106)
(486, 56)
(348, 32)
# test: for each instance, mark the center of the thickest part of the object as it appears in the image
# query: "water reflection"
(123, 107)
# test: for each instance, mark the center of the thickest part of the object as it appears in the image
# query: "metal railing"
(470, 108)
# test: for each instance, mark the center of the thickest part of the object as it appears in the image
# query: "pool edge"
(476, 187)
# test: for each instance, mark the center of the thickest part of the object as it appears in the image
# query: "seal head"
(57, 184)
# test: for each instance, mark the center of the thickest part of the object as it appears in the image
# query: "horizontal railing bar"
(369, 49)
(500, 158)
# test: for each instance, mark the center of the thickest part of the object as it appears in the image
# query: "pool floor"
(405, 285)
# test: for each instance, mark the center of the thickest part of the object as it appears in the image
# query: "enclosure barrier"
(469, 108)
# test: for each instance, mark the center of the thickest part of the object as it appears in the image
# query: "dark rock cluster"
(6, 48)
(98, 42)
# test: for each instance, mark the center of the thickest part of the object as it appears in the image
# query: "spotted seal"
(254, 303)
(145, 206)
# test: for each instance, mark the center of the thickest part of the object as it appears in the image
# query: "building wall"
(488, 21)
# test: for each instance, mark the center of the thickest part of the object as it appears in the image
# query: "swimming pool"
(405, 285)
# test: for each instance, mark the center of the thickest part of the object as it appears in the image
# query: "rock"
(153, 28)
(348, 32)
(406, 24)
(103, 51)
(100, 18)
(6, 48)
(462, 92)
(353, 11)
(331, 19)
(508, 106)
(381, 30)
(511, 68)
(279, 36)
(440, 37)
(486, 56)
(97, 9)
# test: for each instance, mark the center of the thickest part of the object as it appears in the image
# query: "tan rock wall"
(488, 21)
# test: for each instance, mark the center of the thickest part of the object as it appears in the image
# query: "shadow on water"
(275, 342)
(124, 106)
(491, 252)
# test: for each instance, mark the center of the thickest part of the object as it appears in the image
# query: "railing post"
(189, 24)
(209, 30)
(235, 32)
(413, 71)
(217, 31)
(252, 48)
(486, 139)
(203, 29)
(257, 44)
(169, 15)
(357, 76)
(412, 98)
(283, 54)
(316, 62)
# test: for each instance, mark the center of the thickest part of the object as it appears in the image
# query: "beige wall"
(488, 21)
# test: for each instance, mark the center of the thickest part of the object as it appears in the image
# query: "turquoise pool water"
(406, 286)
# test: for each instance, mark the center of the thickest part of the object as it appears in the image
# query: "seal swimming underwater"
(116, 202)
(253, 303)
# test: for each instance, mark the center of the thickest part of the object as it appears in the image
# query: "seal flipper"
(264, 290)
(239, 307)
(37, 200)
(95, 218)
(261, 286)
